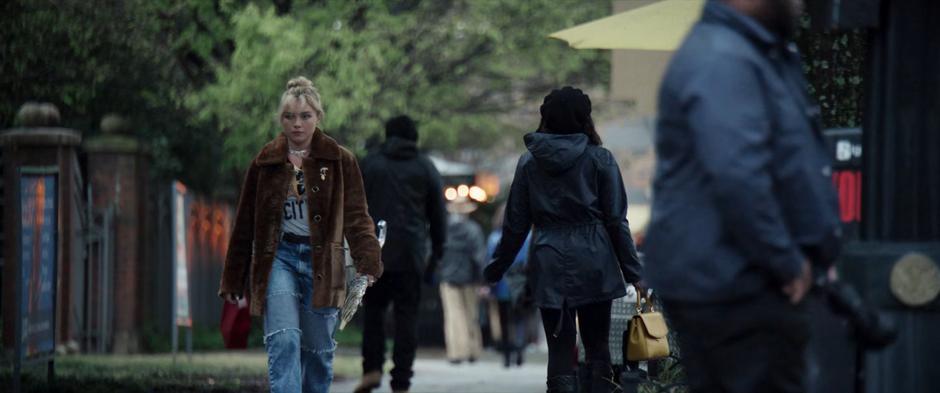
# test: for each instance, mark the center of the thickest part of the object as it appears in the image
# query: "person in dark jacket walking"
(404, 189)
(569, 191)
(461, 277)
(743, 199)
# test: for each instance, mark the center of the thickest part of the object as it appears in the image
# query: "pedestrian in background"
(744, 203)
(405, 190)
(302, 193)
(513, 300)
(461, 277)
(569, 191)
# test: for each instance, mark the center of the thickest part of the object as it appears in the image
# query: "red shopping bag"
(236, 323)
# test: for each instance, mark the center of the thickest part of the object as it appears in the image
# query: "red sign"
(849, 185)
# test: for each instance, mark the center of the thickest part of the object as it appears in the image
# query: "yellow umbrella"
(658, 26)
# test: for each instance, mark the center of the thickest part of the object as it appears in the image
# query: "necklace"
(298, 153)
(297, 183)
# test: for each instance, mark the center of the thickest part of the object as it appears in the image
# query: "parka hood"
(556, 152)
(400, 148)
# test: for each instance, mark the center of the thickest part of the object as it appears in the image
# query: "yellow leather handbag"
(647, 338)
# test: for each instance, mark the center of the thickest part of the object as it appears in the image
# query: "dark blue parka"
(571, 194)
(743, 191)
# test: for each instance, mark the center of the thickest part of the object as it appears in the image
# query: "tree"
(459, 67)
(200, 79)
(138, 58)
(94, 58)
(834, 64)
(78, 57)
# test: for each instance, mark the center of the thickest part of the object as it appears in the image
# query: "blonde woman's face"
(298, 121)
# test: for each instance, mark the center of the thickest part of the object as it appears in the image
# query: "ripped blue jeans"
(297, 336)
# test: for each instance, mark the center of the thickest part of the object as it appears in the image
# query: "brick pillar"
(39, 142)
(117, 177)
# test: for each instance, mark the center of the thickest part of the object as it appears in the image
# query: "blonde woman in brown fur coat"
(302, 194)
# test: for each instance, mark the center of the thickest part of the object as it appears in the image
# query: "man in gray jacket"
(461, 276)
(743, 199)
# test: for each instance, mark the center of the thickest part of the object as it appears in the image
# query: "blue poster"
(38, 264)
(180, 254)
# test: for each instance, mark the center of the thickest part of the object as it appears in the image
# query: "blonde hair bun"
(302, 88)
(299, 82)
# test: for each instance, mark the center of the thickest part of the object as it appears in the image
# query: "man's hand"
(483, 291)
(800, 285)
(832, 274)
(231, 297)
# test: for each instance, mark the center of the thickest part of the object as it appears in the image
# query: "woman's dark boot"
(563, 384)
(603, 379)
(584, 377)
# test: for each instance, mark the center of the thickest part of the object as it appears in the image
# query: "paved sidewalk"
(433, 374)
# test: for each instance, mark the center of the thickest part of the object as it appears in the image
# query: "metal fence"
(97, 302)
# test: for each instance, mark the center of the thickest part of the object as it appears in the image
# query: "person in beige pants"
(460, 276)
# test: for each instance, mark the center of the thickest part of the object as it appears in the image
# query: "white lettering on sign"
(846, 150)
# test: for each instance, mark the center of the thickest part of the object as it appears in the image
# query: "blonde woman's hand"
(231, 297)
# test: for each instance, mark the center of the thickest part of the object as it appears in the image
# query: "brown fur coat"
(336, 207)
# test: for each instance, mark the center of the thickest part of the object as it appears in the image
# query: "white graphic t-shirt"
(295, 207)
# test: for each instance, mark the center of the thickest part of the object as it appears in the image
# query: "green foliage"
(834, 64)
(256, 334)
(94, 58)
(671, 378)
(154, 342)
(350, 337)
(75, 55)
(200, 79)
(457, 67)
(217, 372)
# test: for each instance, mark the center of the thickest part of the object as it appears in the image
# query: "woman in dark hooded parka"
(568, 190)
